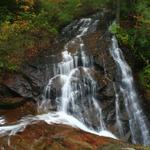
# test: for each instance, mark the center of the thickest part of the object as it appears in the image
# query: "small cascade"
(137, 120)
(2, 120)
(78, 96)
(67, 64)
(117, 106)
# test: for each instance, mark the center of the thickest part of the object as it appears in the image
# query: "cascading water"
(78, 91)
(117, 108)
(137, 120)
(69, 97)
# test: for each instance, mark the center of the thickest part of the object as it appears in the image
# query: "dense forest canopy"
(25, 24)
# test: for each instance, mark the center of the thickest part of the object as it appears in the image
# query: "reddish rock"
(41, 136)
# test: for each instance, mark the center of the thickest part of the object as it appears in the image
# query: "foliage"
(119, 32)
(143, 27)
(145, 77)
(5, 14)
(24, 24)
(11, 5)
(133, 30)
(12, 42)
(137, 29)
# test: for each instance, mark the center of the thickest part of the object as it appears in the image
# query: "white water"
(76, 92)
(78, 88)
(50, 118)
(2, 121)
(137, 119)
(118, 120)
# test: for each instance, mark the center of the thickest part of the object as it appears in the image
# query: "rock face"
(42, 136)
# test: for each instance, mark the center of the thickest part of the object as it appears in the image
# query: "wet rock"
(109, 91)
(41, 136)
(56, 86)
(98, 46)
(12, 113)
(17, 84)
(28, 83)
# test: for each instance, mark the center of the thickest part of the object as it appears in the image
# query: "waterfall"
(71, 94)
(118, 120)
(77, 92)
(137, 120)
